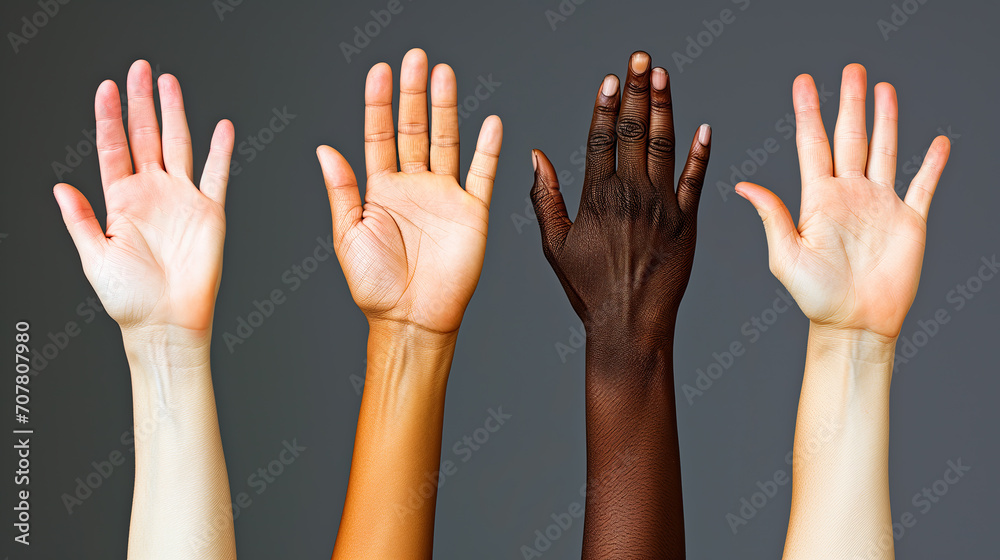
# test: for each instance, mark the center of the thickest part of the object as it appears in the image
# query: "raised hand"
(412, 254)
(624, 264)
(626, 260)
(854, 260)
(157, 271)
(160, 261)
(852, 265)
(413, 251)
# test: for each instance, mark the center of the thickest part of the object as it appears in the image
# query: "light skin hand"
(160, 260)
(156, 270)
(413, 250)
(853, 265)
(853, 262)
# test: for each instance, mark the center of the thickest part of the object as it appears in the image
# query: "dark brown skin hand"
(625, 263)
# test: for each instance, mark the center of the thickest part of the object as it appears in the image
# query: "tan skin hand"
(160, 260)
(854, 260)
(413, 252)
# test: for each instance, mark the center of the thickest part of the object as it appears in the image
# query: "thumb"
(549, 206)
(782, 235)
(342, 188)
(83, 226)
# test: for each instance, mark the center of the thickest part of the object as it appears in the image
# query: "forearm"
(840, 476)
(181, 507)
(634, 502)
(391, 495)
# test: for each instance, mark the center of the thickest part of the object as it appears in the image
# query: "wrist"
(629, 341)
(156, 348)
(406, 356)
(855, 345)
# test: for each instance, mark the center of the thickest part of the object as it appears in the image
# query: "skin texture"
(853, 265)
(412, 253)
(156, 269)
(624, 264)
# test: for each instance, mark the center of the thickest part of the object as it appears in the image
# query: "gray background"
(292, 379)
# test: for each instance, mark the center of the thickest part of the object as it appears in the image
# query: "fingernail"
(534, 160)
(610, 86)
(659, 78)
(640, 62)
(739, 192)
(704, 134)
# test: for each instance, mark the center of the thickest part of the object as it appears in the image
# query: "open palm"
(854, 260)
(160, 261)
(414, 250)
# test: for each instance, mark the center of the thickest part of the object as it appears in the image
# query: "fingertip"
(415, 54)
(324, 153)
(803, 80)
(57, 190)
(107, 88)
(443, 83)
(139, 66)
(639, 62)
(493, 126)
(705, 135)
(660, 78)
(609, 87)
(414, 69)
(942, 145)
(140, 75)
(855, 69)
(107, 101)
(379, 69)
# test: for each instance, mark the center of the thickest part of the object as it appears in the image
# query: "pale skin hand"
(854, 260)
(853, 265)
(156, 270)
(412, 253)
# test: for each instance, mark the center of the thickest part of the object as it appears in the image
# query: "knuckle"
(631, 128)
(600, 142)
(662, 146)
